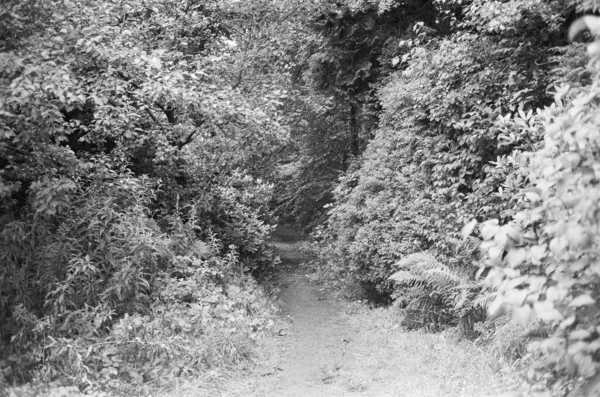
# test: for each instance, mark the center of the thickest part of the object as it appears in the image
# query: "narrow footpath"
(318, 334)
(335, 348)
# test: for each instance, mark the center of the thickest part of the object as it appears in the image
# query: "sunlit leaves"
(555, 262)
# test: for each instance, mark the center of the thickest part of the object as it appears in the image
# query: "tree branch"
(187, 140)
(169, 111)
(151, 115)
(239, 80)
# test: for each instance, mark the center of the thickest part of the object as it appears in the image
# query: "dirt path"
(333, 348)
(317, 335)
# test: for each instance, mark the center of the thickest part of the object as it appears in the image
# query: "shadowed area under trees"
(443, 155)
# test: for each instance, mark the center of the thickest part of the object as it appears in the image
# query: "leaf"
(551, 344)
(582, 300)
(495, 252)
(545, 311)
(516, 257)
(135, 376)
(489, 229)
(513, 233)
(468, 228)
(577, 236)
(567, 322)
(537, 253)
(558, 245)
(155, 63)
(497, 308)
(523, 315)
(515, 297)
(500, 239)
(579, 334)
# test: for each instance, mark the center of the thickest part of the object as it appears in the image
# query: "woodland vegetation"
(444, 155)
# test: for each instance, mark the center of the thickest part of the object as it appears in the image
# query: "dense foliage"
(485, 114)
(443, 153)
(450, 112)
(134, 206)
(550, 271)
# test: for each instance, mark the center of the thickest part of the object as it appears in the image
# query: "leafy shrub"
(130, 188)
(455, 117)
(549, 270)
(90, 262)
(469, 131)
(100, 295)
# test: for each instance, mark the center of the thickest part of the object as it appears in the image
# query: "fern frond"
(441, 276)
(472, 243)
(466, 293)
(541, 331)
(421, 260)
(483, 300)
(469, 247)
(404, 277)
(435, 290)
(424, 305)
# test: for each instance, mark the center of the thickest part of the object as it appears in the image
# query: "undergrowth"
(103, 298)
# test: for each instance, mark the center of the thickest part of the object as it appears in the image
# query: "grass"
(385, 360)
(240, 380)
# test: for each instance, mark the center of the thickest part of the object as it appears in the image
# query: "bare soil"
(317, 333)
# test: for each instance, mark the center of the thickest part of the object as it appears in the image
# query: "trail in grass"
(334, 348)
(317, 335)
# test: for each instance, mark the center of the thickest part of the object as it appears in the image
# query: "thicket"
(458, 104)
(544, 259)
(478, 189)
(448, 148)
(134, 206)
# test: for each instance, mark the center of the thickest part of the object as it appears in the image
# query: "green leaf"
(516, 257)
(582, 300)
(489, 229)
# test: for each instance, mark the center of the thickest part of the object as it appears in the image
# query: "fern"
(442, 276)
(437, 295)
(484, 298)
(419, 260)
(423, 270)
(404, 277)
(586, 5)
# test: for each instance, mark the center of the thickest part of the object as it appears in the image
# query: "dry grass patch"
(385, 360)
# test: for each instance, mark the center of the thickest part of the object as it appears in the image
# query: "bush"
(72, 272)
(130, 188)
(99, 295)
(455, 117)
(544, 260)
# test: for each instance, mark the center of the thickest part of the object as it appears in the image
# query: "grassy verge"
(233, 381)
(385, 359)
